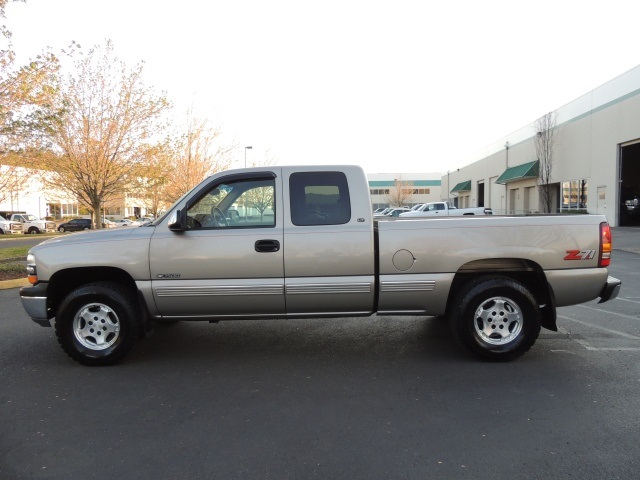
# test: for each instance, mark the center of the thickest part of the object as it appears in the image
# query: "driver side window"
(235, 204)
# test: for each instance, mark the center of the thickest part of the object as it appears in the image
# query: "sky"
(394, 86)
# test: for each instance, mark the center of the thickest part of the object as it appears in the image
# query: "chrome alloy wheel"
(498, 321)
(96, 326)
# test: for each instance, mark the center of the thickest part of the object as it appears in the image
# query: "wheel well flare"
(64, 281)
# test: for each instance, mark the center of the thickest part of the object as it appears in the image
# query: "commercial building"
(417, 187)
(31, 196)
(596, 160)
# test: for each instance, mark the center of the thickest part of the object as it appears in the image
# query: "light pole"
(245, 155)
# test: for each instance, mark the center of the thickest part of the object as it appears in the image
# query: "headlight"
(32, 271)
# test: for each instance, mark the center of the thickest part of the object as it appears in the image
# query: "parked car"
(75, 225)
(8, 227)
(443, 209)
(125, 222)
(633, 209)
(395, 212)
(383, 212)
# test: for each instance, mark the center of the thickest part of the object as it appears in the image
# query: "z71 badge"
(580, 254)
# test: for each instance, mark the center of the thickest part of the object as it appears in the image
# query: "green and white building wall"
(421, 188)
(596, 160)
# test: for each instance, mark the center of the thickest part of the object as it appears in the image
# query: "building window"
(379, 191)
(414, 191)
(574, 195)
(112, 210)
(69, 209)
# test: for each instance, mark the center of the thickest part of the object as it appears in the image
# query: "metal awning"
(521, 172)
(462, 187)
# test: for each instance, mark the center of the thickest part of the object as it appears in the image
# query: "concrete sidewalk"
(626, 239)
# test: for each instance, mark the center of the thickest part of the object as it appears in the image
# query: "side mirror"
(178, 221)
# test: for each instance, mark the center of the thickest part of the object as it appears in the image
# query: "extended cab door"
(228, 261)
(435, 209)
(329, 244)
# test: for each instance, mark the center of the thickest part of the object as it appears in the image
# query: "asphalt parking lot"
(381, 397)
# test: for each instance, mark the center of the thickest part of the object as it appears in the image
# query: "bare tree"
(401, 193)
(268, 160)
(101, 123)
(260, 198)
(195, 153)
(153, 178)
(544, 142)
(11, 180)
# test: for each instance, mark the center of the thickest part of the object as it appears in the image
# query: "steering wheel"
(193, 223)
(219, 217)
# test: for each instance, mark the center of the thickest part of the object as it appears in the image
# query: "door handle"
(267, 246)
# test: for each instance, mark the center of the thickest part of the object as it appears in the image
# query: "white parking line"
(590, 347)
(605, 329)
(601, 310)
(629, 300)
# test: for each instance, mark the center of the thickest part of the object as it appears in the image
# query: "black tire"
(33, 231)
(495, 318)
(98, 324)
(61, 229)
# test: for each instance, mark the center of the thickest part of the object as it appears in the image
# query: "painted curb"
(18, 282)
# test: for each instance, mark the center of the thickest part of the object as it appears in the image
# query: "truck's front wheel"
(97, 324)
(496, 318)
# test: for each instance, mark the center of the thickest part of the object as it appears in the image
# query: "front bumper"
(34, 301)
(610, 290)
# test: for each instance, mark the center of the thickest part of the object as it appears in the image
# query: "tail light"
(605, 245)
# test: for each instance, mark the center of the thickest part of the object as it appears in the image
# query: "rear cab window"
(319, 198)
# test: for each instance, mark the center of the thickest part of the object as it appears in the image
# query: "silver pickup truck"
(277, 242)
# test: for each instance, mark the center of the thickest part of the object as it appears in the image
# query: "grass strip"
(14, 252)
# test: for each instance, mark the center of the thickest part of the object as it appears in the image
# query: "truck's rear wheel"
(496, 318)
(97, 324)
